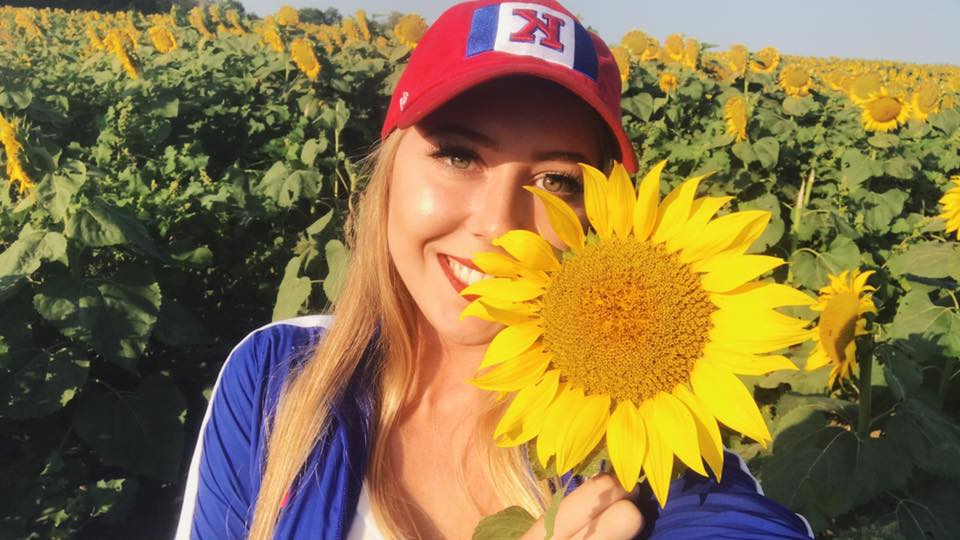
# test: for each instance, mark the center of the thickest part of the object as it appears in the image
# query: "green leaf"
(901, 372)
(293, 292)
(508, 524)
(24, 256)
(287, 187)
(112, 499)
(57, 192)
(797, 106)
(917, 315)
(927, 260)
(744, 152)
(811, 270)
(884, 140)
(767, 151)
(947, 121)
(177, 326)
(640, 106)
(141, 431)
(311, 149)
(857, 168)
(337, 258)
(319, 225)
(774, 231)
(880, 209)
(99, 224)
(899, 167)
(36, 382)
(930, 438)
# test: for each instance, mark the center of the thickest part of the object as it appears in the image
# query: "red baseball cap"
(474, 42)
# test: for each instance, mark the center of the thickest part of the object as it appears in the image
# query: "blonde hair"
(375, 299)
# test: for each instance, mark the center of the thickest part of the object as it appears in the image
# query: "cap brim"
(457, 83)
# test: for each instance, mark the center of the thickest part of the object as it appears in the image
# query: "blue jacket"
(224, 476)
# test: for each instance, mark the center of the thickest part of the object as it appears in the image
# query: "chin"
(469, 331)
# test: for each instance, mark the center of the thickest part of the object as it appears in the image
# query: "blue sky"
(924, 31)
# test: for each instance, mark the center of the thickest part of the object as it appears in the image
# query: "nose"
(500, 204)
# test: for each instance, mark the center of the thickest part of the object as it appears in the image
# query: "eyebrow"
(484, 140)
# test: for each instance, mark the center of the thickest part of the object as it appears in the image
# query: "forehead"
(521, 108)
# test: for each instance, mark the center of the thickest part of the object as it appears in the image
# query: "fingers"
(620, 521)
(580, 507)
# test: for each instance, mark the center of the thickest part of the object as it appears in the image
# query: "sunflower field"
(175, 180)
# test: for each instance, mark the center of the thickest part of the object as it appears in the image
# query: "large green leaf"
(917, 315)
(337, 257)
(37, 382)
(31, 248)
(141, 431)
(99, 224)
(508, 524)
(931, 438)
(293, 292)
(56, 193)
(927, 260)
(880, 209)
(811, 269)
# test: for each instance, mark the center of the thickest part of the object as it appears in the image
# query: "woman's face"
(458, 180)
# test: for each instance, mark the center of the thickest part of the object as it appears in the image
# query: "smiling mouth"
(459, 274)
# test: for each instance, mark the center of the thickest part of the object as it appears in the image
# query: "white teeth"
(464, 274)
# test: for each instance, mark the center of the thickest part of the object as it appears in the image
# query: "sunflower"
(409, 29)
(622, 56)
(163, 40)
(652, 51)
(636, 42)
(12, 147)
(795, 81)
(735, 116)
(637, 332)
(271, 36)
(668, 82)
(737, 60)
(302, 52)
(884, 112)
(673, 49)
(925, 100)
(951, 207)
(865, 87)
(691, 53)
(842, 304)
(288, 16)
(767, 60)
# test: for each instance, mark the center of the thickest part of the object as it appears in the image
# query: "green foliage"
(178, 211)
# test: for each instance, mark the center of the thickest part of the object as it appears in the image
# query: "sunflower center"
(838, 324)
(626, 318)
(884, 108)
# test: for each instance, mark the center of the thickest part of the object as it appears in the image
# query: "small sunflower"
(636, 42)
(409, 29)
(673, 49)
(652, 51)
(842, 305)
(622, 56)
(288, 16)
(12, 147)
(925, 100)
(302, 52)
(737, 60)
(767, 60)
(884, 112)
(668, 82)
(735, 116)
(865, 87)
(795, 81)
(951, 207)
(163, 40)
(637, 332)
(691, 53)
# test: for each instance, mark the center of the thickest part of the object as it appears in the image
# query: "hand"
(598, 509)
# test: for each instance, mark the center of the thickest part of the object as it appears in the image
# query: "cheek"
(420, 210)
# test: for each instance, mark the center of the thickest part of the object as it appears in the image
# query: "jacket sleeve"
(734, 508)
(218, 491)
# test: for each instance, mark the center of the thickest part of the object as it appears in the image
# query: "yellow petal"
(701, 211)
(516, 373)
(511, 290)
(562, 218)
(584, 429)
(512, 341)
(720, 233)
(762, 295)
(742, 363)
(595, 200)
(626, 443)
(708, 433)
(620, 201)
(497, 264)
(761, 322)
(487, 311)
(675, 210)
(817, 359)
(555, 421)
(658, 461)
(530, 249)
(648, 198)
(524, 417)
(672, 422)
(728, 400)
(728, 273)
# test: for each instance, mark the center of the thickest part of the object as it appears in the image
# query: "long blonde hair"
(374, 298)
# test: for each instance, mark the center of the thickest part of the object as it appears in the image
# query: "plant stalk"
(865, 417)
(949, 369)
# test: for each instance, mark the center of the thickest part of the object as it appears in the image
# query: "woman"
(365, 426)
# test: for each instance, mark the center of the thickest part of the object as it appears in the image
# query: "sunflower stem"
(949, 369)
(865, 417)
